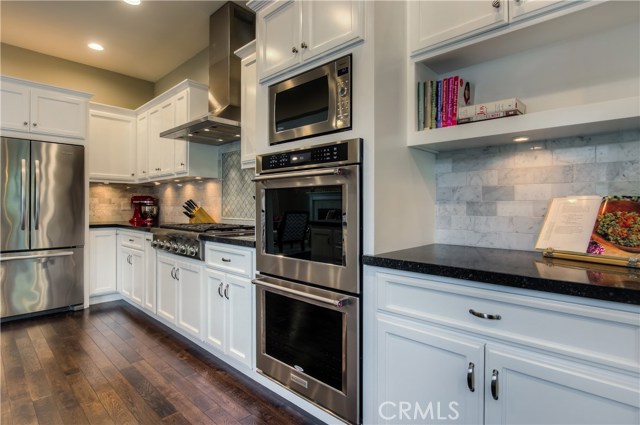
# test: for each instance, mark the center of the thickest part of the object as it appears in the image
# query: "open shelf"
(581, 120)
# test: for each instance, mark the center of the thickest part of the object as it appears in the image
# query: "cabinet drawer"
(133, 240)
(592, 333)
(229, 260)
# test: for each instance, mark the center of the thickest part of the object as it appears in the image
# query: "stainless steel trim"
(485, 315)
(339, 303)
(471, 379)
(35, 256)
(308, 173)
(36, 199)
(494, 384)
(23, 194)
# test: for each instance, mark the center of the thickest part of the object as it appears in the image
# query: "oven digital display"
(342, 71)
(317, 155)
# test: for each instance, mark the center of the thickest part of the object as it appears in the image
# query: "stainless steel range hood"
(230, 28)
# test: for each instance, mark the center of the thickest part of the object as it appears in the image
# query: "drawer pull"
(471, 377)
(494, 384)
(485, 315)
(226, 260)
(131, 240)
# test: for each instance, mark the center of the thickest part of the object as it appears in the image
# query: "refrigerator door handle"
(23, 194)
(37, 195)
(35, 256)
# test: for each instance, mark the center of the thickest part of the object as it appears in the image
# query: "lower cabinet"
(445, 352)
(103, 262)
(179, 292)
(131, 266)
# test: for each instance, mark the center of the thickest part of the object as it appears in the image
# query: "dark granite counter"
(519, 269)
(244, 241)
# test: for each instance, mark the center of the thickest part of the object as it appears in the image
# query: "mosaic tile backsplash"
(497, 196)
(226, 199)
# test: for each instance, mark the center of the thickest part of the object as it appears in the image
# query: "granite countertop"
(244, 241)
(519, 269)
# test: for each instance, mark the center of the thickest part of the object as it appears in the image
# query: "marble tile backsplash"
(497, 196)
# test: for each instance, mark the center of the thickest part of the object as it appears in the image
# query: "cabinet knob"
(133, 174)
(294, 49)
(25, 123)
(182, 164)
(304, 45)
(496, 4)
(144, 172)
(35, 124)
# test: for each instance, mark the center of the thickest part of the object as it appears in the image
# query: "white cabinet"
(37, 109)
(482, 354)
(142, 146)
(179, 292)
(103, 261)
(570, 40)
(435, 22)
(326, 242)
(131, 266)
(248, 101)
(149, 293)
(160, 150)
(229, 299)
(112, 143)
(292, 32)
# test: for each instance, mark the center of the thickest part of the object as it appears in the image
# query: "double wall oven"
(308, 249)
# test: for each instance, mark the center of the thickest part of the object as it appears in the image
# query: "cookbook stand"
(594, 229)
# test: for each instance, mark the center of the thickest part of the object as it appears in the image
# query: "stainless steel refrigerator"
(41, 227)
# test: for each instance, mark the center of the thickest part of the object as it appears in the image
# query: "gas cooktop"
(224, 228)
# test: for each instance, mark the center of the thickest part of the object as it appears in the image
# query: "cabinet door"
(190, 298)
(215, 311)
(103, 262)
(142, 146)
(279, 37)
(523, 387)
(520, 9)
(248, 112)
(125, 271)
(166, 147)
(58, 114)
(327, 25)
(180, 147)
(167, 287)
(437, 373)
(112, 146)
(149, 293)
(15, 100)
(154, 126)
(435, 22)
(138, 275)
(238, 296)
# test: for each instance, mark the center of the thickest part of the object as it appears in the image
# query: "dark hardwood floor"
(111, 364)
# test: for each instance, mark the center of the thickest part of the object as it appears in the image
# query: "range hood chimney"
(230, 28)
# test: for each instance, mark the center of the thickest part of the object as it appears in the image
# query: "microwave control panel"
(322, 155)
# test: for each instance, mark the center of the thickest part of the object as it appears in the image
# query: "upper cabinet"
(41, 110)
(112, 143)
(290, 32)
(248, 100)
(555, 56)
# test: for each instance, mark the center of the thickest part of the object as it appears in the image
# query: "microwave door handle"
(309, 173)
(336, 303)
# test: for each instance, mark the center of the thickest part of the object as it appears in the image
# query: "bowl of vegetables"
(618, 223)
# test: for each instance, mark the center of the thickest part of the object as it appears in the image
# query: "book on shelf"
(592, 228)
(438, 101)
(490, 116)
(511, 104)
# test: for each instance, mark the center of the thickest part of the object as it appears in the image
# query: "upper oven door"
(315, 102)
(308, 226)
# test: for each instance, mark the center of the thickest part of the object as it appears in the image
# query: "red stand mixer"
(145, 211)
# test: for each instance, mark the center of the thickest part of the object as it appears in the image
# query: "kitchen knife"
(188, 208)
(187, 214)
(192, 204)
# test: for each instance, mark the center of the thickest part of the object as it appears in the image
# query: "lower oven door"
(308, 341)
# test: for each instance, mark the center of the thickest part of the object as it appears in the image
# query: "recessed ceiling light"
(132, 2)
(95, 46)
(520, 139)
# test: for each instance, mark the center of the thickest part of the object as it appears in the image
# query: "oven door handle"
(309, 173)
(336, 303)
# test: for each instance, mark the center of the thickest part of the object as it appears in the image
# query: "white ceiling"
(146, 41)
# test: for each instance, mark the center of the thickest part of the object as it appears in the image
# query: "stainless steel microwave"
(315, 102)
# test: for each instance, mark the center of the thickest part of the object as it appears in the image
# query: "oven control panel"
(322, 155)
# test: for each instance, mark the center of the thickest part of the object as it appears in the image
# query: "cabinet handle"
(485, 315)
(494, 384)
(294, 49)
(226, 260)
(130, 240)
(496, 4)
(177, 274)
(129, 259)
(226, 291)
(471, 377)
(220, 289)
(304, 45)
(173, 272)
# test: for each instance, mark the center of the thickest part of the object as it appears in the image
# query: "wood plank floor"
(111, 364)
